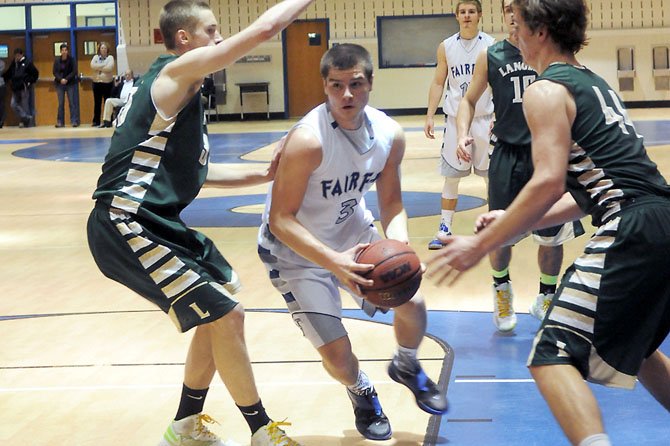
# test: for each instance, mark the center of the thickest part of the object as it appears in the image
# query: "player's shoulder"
(543, 92)
(486, 38)
(375, 113)
(307, 131)
(498, 45)
(451, 39)
(380, 117)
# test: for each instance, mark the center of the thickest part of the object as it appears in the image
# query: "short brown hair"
(565, 20)
(176, 15)
(345, 56)
(477, 3)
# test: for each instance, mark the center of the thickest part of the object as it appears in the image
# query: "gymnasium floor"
(85, 362)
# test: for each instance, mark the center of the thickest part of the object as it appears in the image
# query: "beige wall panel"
(387, 8)
(246, 11)
(491, 17)
(661, 9)
(355, 21)
(135, 23)
(146, 33)
(318, 11)
(404, 7)
(365, 22)
(228, 12)
(596, 18)
(637, 11)
(337, 20)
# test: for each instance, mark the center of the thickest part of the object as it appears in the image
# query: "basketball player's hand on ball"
(463, 149)
(348, 271)
(459, 254)
(486, 219)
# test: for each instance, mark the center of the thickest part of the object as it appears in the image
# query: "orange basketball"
(396, 275)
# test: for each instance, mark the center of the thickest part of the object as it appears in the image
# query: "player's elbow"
(272, 224)
(550, 188)
(277, 224)
(266, 29)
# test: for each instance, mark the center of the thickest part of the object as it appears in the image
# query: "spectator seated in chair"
(119, 96)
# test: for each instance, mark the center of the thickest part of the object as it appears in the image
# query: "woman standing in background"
(103, 76)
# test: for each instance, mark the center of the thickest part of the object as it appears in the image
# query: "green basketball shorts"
(511, 167)
(176, 268)
(612, 309)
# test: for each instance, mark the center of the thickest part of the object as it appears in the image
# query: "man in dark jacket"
(65, 77)
(22, 75)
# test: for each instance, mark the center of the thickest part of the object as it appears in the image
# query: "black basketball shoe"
(428, 396)
(370, 419)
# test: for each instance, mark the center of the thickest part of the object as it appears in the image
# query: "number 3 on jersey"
(347, 210)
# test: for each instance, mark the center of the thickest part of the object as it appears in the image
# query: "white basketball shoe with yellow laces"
(504, 317)
(191, 431)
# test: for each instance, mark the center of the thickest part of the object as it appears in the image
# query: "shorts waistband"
(634, 202)
(506, 145)
(644, 199)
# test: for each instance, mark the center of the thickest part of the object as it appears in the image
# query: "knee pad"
(450, 188)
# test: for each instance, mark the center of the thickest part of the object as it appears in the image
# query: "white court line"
(263, 384)
(489, 380)
(162, 386)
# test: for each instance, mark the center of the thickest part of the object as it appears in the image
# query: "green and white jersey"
(155, 166)
(508, 77)
(608, 162)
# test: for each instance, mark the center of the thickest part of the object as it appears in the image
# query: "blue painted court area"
(225, 148)
(230, 147)
(494, 402)
(221, 211)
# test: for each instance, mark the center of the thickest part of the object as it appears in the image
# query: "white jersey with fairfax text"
(333, 208)
(461, 57)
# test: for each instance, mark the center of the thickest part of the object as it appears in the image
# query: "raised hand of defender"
(485, 219)
(459, 254)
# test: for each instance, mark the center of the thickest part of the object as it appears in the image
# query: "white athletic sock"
(362, 383)
(596, 440)
(447, 217)
(405, 358)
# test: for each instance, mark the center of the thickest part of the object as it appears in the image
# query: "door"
(87, 46)
(305, 42)
(45, 47)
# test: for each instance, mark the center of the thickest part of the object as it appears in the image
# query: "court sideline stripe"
(158, 364)
(432, 430)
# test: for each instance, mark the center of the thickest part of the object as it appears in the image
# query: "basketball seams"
(396, 272)
(388, 259)
(397, 285)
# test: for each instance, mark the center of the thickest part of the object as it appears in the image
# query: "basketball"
(396, 275)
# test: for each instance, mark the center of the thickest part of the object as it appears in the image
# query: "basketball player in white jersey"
(316, 220)
(456, 58)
